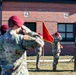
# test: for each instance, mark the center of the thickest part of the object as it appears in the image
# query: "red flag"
(46, 35)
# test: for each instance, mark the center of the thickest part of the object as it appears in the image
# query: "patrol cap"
(57, 33)
(16, 20)
(4, 28)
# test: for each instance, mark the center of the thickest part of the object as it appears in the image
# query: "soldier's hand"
(26, 37)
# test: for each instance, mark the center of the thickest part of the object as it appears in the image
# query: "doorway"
(31, 25)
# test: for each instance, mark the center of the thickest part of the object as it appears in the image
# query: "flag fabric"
(46, 35)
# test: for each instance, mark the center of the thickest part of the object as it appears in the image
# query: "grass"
(63, 68)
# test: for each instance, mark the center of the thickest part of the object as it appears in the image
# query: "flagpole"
(43, 54)
(43, 49)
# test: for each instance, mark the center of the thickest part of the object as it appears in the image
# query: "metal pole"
(43, 57)
(43, 54)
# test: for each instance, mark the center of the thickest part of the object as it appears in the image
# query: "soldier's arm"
(32, 42)
(59, 38)
(25, 29)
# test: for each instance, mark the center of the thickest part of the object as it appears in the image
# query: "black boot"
(54, 69)
(37, 68)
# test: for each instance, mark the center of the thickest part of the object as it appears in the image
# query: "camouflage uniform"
(56, 51)
(14, 45)
(38, 50)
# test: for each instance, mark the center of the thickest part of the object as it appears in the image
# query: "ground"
(63, 68)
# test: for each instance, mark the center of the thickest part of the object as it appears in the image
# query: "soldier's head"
(57, 34)
(15, 21)
(3, 29)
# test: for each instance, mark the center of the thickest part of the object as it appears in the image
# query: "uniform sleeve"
(34, 34)
(26, 29)
(58, 39)
(37, 37)
(33, 42)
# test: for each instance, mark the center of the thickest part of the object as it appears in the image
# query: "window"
(66, 31)
(31, 25)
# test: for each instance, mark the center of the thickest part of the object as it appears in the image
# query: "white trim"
(67, 42)
(63, 60)
(66, 14)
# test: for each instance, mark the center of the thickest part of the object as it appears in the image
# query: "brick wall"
(0, 17)
(50, 13)
(40, 11)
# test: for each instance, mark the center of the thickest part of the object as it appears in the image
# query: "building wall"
(49, 13)
(0, 13)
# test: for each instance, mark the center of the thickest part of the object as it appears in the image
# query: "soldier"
(56, 49)
(15, 46)
(3, 30)
(38, 54)
(38, 50)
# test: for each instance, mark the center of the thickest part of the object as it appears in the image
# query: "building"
(0, 12)
(57, 15)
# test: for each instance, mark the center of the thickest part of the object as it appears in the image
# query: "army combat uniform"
(13, 45)
(56, 51)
